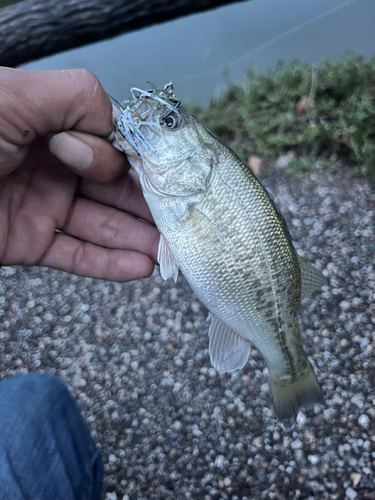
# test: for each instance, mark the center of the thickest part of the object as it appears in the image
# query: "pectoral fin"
(228, 351)
(311, 279)
(168, 264)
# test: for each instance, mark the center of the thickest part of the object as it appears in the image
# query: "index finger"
(41, 102)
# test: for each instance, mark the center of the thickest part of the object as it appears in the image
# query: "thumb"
(89, 156)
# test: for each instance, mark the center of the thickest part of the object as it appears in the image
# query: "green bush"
(340, 121)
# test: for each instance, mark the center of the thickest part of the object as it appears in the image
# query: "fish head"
(163, 143)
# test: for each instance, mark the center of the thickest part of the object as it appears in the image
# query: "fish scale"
(249, 252)
(221, 228)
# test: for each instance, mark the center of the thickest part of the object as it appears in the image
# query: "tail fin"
(289, 395)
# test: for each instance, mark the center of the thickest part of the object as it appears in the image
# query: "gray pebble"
(351, 494)
(364, 421)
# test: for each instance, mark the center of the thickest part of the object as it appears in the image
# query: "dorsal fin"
(311, 278)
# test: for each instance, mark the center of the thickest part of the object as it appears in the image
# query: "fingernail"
(115, 111)
(71, 150)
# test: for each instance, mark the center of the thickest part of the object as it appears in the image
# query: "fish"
(223, 231)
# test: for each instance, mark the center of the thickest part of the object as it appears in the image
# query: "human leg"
(46, 451)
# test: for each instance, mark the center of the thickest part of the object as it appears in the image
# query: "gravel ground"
(171, 427)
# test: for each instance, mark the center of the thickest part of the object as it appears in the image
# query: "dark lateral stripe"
(285, 349)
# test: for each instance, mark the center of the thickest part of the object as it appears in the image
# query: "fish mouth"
(137, 117)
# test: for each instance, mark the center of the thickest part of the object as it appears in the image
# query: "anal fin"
(228, 351)
(168, 264)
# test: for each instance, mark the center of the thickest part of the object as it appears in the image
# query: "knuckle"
(90, 79)
(110, 228)
(78, 258)
(85, 82)
(87, 77)
(91, 85)
(105, 265)
(91, 104)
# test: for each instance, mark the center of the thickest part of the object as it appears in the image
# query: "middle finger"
(124, 194)
(108, 227)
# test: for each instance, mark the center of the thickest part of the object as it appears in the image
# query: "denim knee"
(33, 392)
(45, 446)
(37, 383)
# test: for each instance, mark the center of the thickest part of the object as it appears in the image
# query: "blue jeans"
(46, 451)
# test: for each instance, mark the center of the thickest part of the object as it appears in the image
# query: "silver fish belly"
(220, 227)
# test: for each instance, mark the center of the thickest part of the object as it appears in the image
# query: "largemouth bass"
(221, 228)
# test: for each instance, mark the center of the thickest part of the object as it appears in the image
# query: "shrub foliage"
(320, 112)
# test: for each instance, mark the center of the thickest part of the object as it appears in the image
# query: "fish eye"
(169, 122)
(172, 120)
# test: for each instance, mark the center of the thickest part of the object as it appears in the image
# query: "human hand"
(55, 210)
